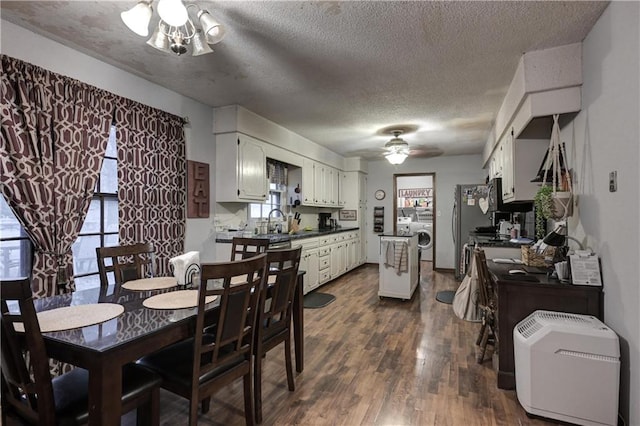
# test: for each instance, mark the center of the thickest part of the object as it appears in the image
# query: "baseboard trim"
(445, 270)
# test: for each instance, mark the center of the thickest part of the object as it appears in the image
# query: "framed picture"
(348, 215)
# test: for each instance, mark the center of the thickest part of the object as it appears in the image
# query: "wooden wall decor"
(197, 189)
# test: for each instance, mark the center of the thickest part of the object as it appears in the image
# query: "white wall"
(605, 137)
(449, 172)
(30, 47)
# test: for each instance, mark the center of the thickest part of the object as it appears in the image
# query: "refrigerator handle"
(453, 223)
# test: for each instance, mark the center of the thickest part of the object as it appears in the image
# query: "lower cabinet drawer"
(324, 252)
(324, 263)
(324, 276)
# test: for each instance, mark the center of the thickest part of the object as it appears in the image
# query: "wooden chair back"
(486, 299)
(120, 264)
(274, 316)
(30, 395)
(238, 284)
(281, 284)
(244, 248)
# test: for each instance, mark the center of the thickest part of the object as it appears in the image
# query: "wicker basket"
(532, 258)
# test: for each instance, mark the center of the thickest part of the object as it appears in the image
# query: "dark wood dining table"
(104, 348)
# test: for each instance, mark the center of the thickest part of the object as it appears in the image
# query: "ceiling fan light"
(397, 148)
(200, 47)
(213, 30)
(396, 157)
(173, 12)
(137, 18)
(159, 40)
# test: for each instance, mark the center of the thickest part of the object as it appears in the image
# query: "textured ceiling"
(339, 73)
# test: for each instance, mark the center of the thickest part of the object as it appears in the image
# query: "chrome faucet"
(269, 218)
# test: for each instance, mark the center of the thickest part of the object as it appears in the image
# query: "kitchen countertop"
(492, 241)
(276, 238)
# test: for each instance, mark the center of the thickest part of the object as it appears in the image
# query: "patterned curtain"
(151, 180)
(54, 135)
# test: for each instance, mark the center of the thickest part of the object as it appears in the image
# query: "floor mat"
(445, 296)
(318, 300)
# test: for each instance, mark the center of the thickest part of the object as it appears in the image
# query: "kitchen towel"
(181, 264)
(389, 253)
(397, 256)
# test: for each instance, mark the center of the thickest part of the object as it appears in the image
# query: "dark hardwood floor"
(374, 362)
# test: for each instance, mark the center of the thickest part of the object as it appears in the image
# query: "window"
(15, 246)
(100, 227)
(275, 201)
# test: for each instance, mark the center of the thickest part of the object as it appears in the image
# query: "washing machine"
(425, 238)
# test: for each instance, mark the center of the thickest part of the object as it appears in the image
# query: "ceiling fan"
(397, 148)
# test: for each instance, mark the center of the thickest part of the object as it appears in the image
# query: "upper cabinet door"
(241, 169)
(508, 190)
(308, 185)
(252, 170)
(319, 188)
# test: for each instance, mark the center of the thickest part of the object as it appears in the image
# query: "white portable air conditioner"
(567, 367)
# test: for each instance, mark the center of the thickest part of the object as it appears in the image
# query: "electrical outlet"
(613, 181)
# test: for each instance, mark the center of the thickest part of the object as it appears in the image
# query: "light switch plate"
(613, 181)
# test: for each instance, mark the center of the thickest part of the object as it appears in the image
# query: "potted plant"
(543, 203)
(551, 205)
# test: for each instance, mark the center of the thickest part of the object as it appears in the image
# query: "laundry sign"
(415, 192)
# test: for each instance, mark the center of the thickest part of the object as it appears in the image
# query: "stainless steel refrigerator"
(467, 214)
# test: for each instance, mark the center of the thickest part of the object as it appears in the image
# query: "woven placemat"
(157, 283)
(76, 316)
(180, 299)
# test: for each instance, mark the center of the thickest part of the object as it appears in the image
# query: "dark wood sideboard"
(518, 296)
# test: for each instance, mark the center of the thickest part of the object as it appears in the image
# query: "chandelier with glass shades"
(397, 148)
(176, 30)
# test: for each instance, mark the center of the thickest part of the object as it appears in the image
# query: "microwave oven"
(495, 200)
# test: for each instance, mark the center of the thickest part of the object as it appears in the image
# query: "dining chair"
(199, 367)
(29, 391)
(487, 305)
(244, 248)
(274, 316)
(120, 264)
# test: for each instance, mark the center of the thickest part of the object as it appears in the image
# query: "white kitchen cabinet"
(308, 186)
(336, 254)
(338, 262)
(321, 185)
(242, 159)
(309, 264)
(522, 159)
(324, 264)
(496, 163)
(352, 254)
(355, 198)
(342, 199)
(328, 257)
(362, 188)
(508, 188)
(334, 177)
(319, 191)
